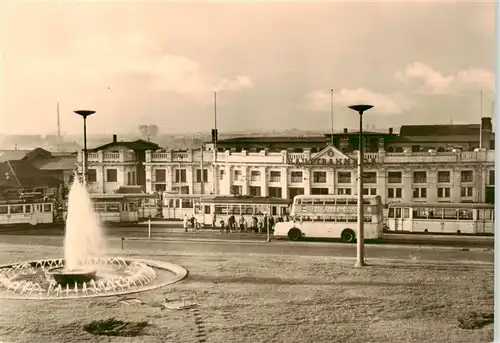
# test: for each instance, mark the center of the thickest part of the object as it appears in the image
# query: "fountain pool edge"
(179, 271)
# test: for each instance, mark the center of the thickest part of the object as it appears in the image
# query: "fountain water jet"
(83, 241)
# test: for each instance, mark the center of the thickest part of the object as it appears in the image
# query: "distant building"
(36, 170)
(115, 164)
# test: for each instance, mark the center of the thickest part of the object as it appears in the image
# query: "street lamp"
(360, 244)
(85, 114)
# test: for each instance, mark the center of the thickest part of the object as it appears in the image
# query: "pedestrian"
(242, 223)
(222, 226)
(214, 221)
(255, 224)
(192, 219)
(185, 222)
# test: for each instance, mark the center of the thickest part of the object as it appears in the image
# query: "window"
(443, 192)
(394, 193)
(16, 209)
(255, 191)
(420, 213)
(236, 190)
(420, 192)
(319, 191)
(436, 213)
(319, 177)
(221, 174)
(466, 191)
(443, 176)
(112, 175)
(274, 192)
(466, 176)
(275, 176)
(47, 207)
(180, 175)
(27, 208)
(465, 214)
(344, 191)
(160, 175)
(160, 187)
(369, 191)
(370, 177)
(134, 180)
(296, 176)
(491, 179)
(255, 175)
(4, 209)
(198, 175)
(92, 175)
(419, 177)
(395, 177)
(449, 213)
(237, 175)
(344, 177)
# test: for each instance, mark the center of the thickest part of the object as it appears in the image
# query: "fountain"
(85, 270)
(83, 239)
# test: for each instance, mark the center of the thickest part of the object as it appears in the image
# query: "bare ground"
(269, 298)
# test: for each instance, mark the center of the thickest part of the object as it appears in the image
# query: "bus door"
(484, 222)
(402, 219)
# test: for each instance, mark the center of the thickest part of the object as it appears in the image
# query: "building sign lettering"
(328, 161)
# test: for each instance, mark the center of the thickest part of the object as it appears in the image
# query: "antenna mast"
(58, 128)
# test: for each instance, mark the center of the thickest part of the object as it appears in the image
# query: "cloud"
(430, 81)
(97, 57)
(320, 100)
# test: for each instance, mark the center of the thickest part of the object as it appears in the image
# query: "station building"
(423, 163)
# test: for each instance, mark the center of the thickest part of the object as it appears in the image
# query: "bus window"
(465, 214)
(352, 219)
(352, 202)
(449, 213)
(398, 213)
(420, 213)
(47, 207)
(274, 211)
(341, 219)
(100, 207)
(27, 208)
(341, 202)
(329, 201)
(171, 203)
(4, 210)
(436, 213)
(485, 214)
(318, 202)
(298, 201)
(391, 212)
(177, 203)
(132, 206)
(207, 209)
(14, 209)
(368, 219)
(406, 213)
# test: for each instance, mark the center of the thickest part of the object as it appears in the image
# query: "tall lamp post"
(85, 114)
(360, 244)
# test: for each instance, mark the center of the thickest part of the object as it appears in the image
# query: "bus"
(448, 218)
(33, 212)
(331, 216)
(239, 205)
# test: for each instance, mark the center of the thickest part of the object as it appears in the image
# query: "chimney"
(390, 131)
(345, 130)
(114, 138)
(486, 133)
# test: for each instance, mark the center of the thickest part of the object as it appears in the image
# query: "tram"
(459, 218)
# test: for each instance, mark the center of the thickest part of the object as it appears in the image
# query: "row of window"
(443, 176)
(442, 213)
(25, 208)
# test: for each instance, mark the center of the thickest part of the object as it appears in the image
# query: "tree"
(148, 132)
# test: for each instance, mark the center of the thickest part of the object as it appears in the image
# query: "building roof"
(273, 139)
(6, 155)
(440, 130)
(129, 190)
(22, 174)
(137, 145)
(58, 163)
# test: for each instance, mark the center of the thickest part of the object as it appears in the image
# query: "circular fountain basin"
(71, 276)
(48, 279)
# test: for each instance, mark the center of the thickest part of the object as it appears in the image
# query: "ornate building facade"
(435, 163)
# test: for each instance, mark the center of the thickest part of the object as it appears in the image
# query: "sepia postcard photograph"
(248, 171)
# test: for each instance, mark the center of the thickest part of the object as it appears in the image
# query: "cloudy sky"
(272, 64)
